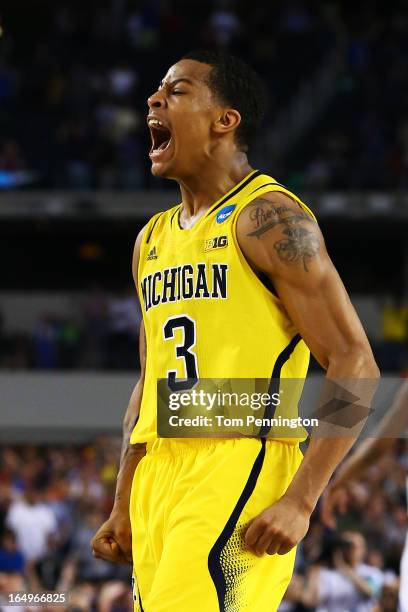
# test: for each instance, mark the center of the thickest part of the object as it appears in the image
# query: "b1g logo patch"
(218, 242)
(225, 213)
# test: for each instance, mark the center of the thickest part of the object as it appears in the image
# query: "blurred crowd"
(356, 565)
(360, 140)
(53, 498)
(104, 335)
(74, 79)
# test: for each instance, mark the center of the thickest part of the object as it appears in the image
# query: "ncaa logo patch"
(225, 213)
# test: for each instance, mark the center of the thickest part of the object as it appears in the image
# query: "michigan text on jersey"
(199, 281)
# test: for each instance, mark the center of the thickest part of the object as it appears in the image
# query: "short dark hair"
(236, 84)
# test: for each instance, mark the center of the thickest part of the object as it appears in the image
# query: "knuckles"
(264, 523)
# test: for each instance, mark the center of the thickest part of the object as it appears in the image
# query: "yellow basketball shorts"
(190, 505)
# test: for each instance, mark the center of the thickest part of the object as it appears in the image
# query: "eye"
(177, 92)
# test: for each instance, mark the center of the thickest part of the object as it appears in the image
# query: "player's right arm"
(113, 540)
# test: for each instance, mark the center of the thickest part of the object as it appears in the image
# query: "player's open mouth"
(161, 138)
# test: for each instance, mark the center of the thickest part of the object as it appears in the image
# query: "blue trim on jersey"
(153, 226)
(275, 380)
(214, 558)
(231, 195)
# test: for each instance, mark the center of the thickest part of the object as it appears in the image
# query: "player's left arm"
(281, 240)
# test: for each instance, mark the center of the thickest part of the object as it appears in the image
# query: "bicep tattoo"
(300, 243)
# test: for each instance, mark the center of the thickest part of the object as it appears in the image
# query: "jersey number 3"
(183, 351)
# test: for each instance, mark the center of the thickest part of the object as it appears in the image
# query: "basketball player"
(392, 426)
(234, 282)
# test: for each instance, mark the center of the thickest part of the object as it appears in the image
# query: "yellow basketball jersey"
(206, 313)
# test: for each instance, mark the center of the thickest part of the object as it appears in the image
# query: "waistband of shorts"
(180, 446)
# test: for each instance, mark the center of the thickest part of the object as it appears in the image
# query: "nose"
(157, 100)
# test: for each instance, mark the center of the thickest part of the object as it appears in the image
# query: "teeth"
(155, 122)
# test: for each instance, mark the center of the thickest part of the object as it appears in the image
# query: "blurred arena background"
(75, 189)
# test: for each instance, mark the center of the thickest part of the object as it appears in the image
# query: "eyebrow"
(180, 80)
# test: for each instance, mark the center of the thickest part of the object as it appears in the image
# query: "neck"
(200, 190)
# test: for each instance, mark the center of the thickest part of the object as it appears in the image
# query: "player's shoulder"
(267, 192)
(276, 197)
(271, 209)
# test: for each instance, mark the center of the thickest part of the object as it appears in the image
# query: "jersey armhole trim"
(245, 263)
(153, 225)
(175, 213)
(274, 383)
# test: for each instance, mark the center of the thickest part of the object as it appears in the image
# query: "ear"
(227, 121)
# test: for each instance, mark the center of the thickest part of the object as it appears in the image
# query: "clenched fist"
(278, 528)
(113, 540)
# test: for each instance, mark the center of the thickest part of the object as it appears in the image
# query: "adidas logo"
(152, 254)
